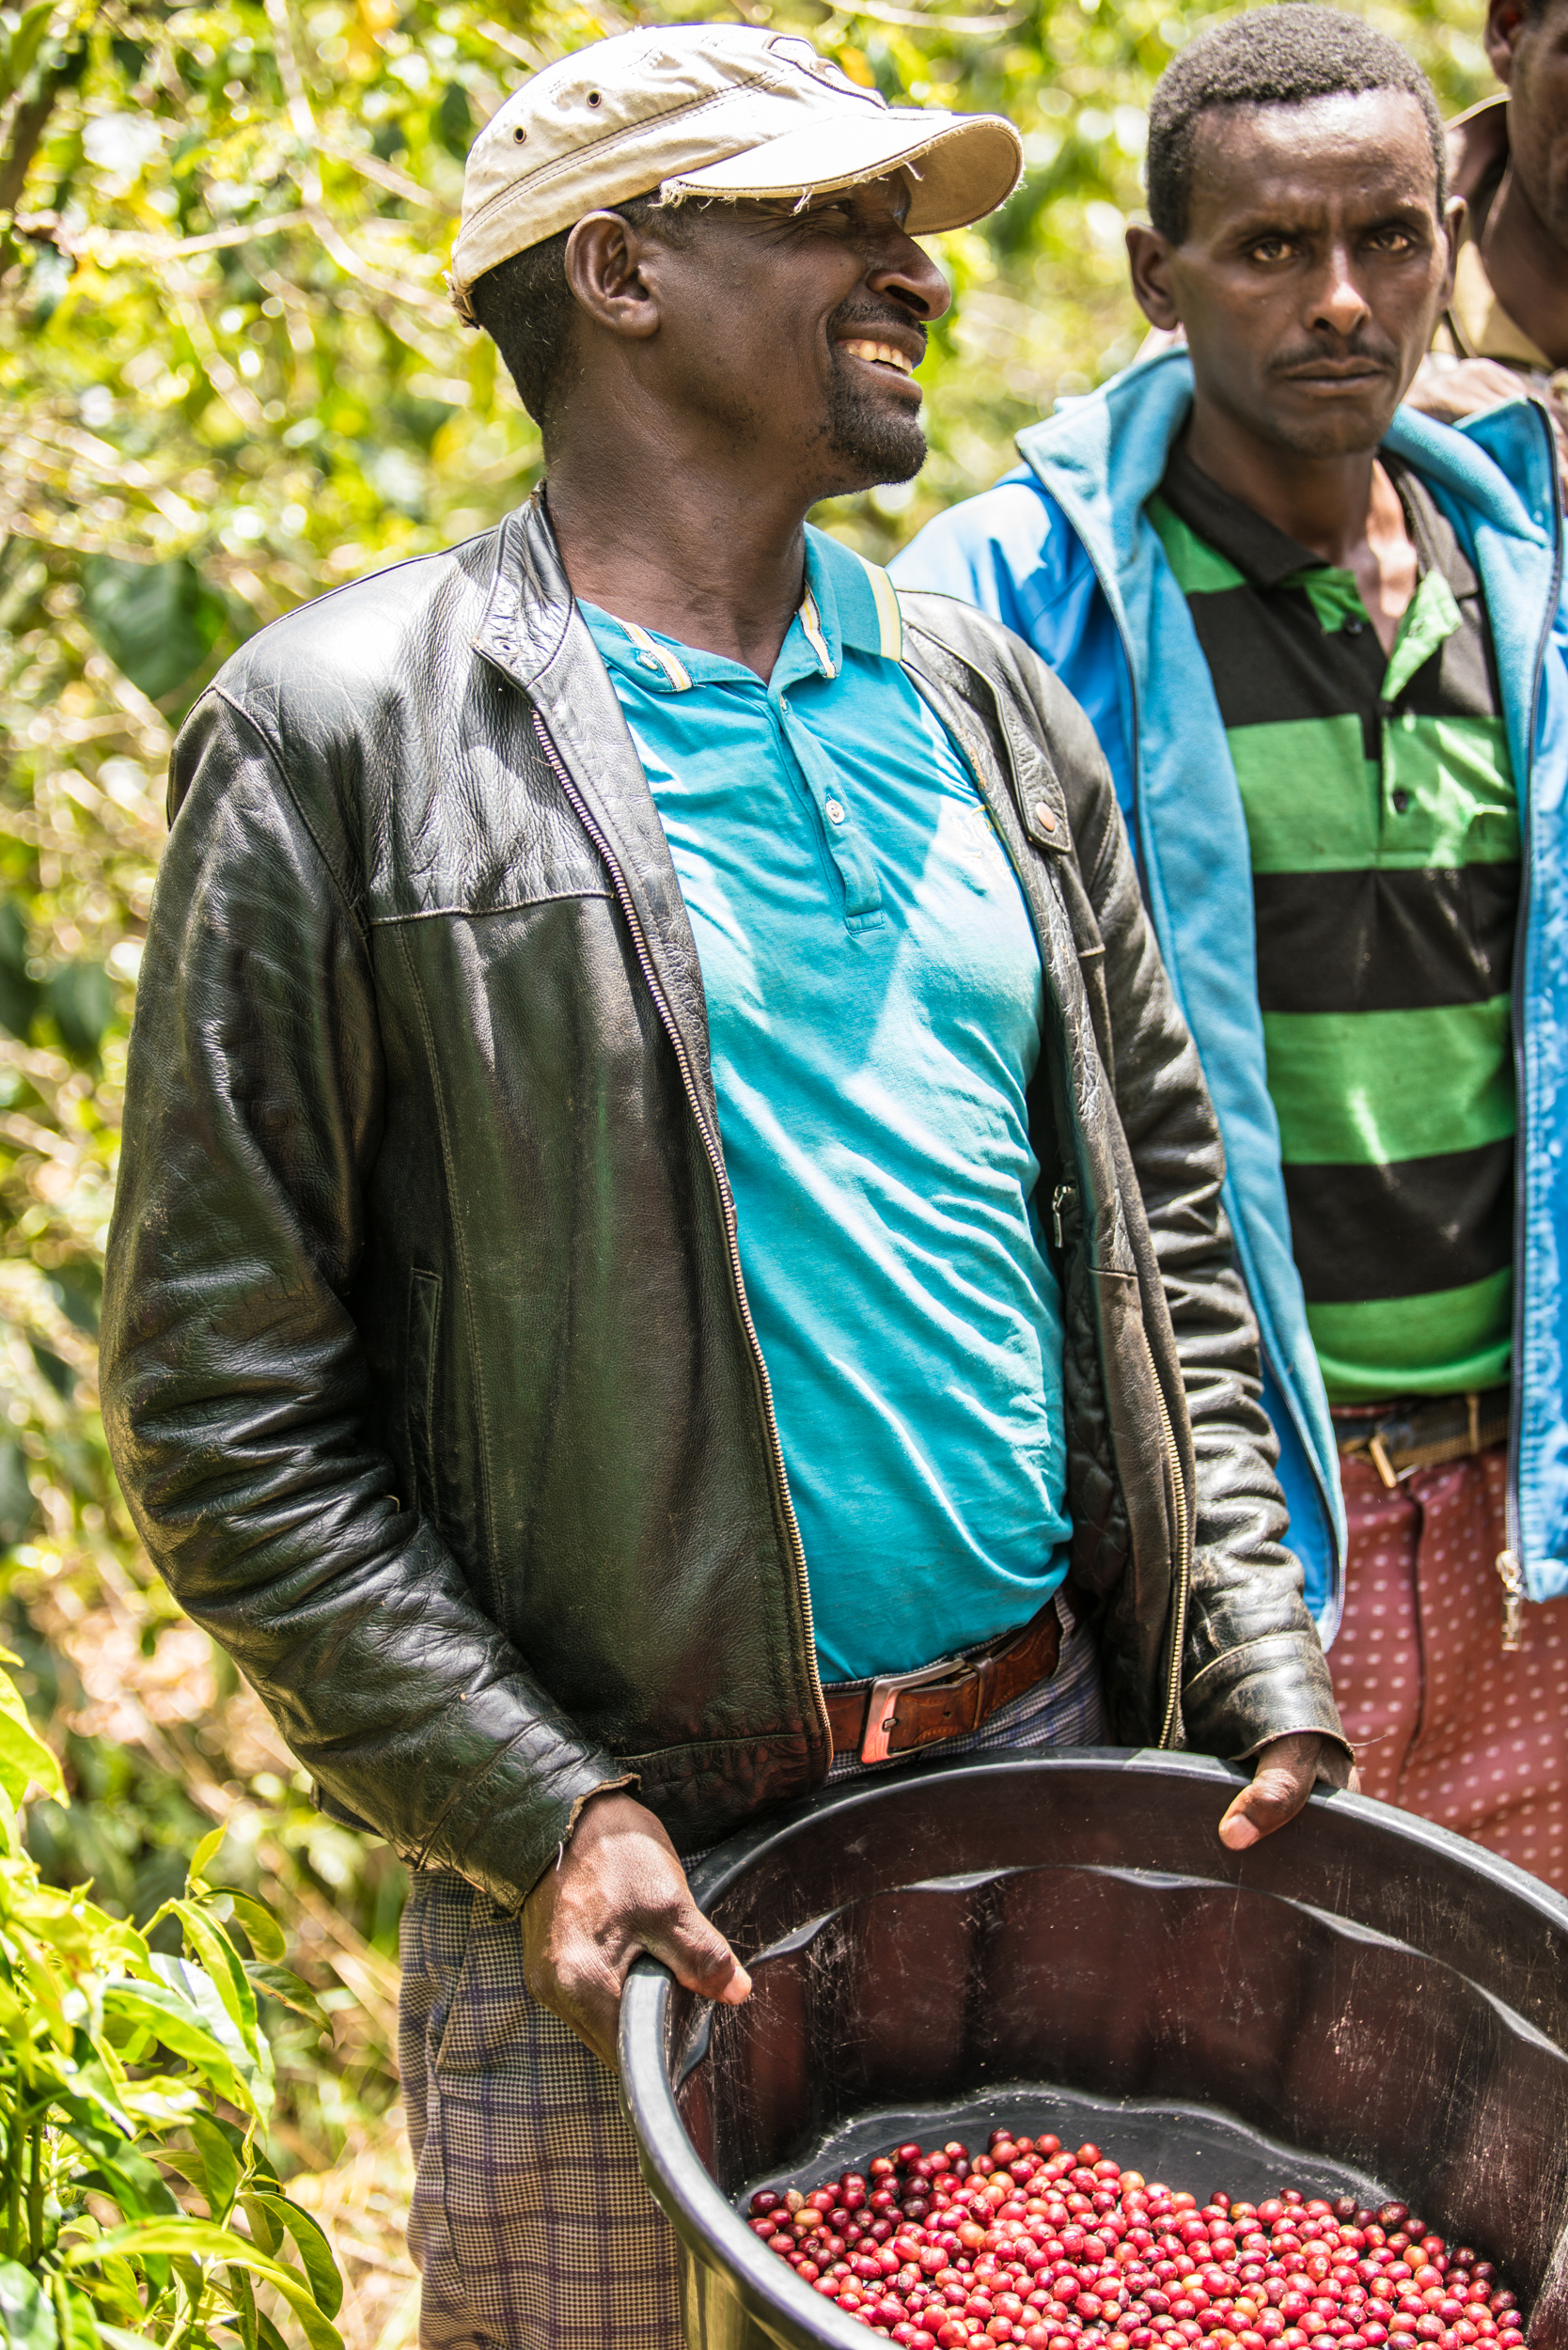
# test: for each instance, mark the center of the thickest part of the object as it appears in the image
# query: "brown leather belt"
(899, 1712)
(1423, 1435)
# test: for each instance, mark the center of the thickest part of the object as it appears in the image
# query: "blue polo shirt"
(875, 996)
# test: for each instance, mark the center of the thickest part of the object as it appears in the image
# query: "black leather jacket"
(427, 1365)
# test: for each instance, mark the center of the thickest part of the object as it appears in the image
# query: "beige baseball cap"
(715, 110)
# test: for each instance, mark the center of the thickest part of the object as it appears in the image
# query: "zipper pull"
(1512, 1581)
(1063, 1190)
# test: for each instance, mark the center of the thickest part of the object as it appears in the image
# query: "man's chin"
(871, 444)
(1334, 428)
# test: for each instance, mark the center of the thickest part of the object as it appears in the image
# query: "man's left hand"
(1284, 1777)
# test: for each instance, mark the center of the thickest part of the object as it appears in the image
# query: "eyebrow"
(1398, 209)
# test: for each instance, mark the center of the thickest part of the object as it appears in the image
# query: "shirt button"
(647, 661)
(835, 812)
(784, 704)
(1044, 817)
(1402, 801)
(1354, 626)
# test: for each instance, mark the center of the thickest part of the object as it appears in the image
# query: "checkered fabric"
(530, 2224)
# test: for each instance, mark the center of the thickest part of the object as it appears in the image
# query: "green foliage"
(156, 621)
(231, 380)
(132, 2079)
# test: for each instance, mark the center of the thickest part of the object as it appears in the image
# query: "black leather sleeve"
(234, 1384)
(1253, 1667)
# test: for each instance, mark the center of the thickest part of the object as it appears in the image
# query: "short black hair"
(1277, 56)
(526, 306)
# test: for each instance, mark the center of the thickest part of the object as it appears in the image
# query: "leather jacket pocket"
(423, 1323)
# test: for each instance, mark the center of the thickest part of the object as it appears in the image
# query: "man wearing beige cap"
(668, 1244)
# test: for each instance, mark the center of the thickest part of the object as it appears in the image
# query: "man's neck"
(716, 561)
(1527, 268)
(1343, 510)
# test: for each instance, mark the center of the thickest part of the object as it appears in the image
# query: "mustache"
(866, 318)
(1360, 347)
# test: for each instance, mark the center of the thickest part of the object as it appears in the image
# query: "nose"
(1337, 300)
(910, 277)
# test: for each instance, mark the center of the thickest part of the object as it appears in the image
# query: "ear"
(1149, 261)
(1455, 212)
(606, 261)
(1505, 21)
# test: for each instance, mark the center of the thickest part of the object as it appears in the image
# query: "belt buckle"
(883, 1705)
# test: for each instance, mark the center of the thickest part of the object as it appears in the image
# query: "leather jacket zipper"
(1064, 1194)
(726, 1199)
(1184, 1566)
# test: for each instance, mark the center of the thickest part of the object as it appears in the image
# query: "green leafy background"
(230, 380)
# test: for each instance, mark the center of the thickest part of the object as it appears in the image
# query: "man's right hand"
(619, 1889)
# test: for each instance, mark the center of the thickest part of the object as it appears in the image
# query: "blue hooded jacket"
(1063, 551)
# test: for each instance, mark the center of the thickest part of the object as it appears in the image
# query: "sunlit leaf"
(24, 1756)
(200, 2239)
(206, 1851)
(221, 2172)
(313, 2248)
(280, 1983)
(266, 1935)
(26, 2312)
(185, 2032)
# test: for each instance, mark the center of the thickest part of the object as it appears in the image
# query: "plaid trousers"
(530, 2224)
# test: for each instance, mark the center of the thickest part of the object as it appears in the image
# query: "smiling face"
(792, 332)
(1312, 268)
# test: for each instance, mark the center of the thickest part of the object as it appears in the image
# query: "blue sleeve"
(1012, 552)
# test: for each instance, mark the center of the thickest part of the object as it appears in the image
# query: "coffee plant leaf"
(26, 2311)
(200, 2239)
(220, 2169)
(261, 1928)
(23, 1757)
(280, 1983)
(206, 1851)
(223, 1970)
(75, 2318)
(156, 621)
(263, 2227)
(135, 2185)
(172, 2019)
(209, 2003)
(313, 2248)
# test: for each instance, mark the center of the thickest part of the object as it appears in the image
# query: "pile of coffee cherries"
(1035, 2244)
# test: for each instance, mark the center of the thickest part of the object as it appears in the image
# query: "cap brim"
(961, 166)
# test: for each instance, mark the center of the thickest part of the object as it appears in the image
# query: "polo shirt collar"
(1271, 557)
(847, 605)
(1253, 545)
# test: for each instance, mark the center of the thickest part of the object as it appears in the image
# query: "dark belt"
(899, 1712)
(1417, 1436)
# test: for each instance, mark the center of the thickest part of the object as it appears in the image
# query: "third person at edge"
(1321, 639)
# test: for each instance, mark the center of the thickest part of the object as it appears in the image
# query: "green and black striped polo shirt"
(1385, 839)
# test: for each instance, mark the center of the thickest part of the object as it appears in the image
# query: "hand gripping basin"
(1360, 2004)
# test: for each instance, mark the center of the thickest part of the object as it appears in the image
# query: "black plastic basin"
(1360, 2004)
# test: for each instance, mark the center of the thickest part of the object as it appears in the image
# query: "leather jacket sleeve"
(1252, 1666)
(236, 1392)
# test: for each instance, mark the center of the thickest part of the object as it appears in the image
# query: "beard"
(869, 437)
